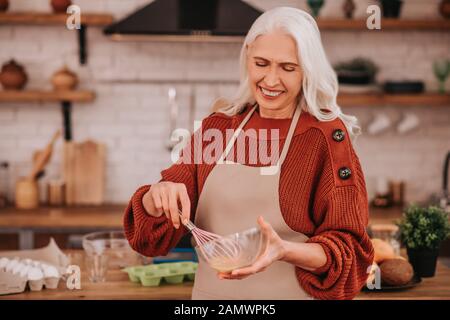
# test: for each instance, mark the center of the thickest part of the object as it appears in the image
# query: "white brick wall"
(131, 81)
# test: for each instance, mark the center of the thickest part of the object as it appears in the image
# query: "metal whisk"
(215, 249)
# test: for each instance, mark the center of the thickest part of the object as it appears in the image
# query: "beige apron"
(233, 197)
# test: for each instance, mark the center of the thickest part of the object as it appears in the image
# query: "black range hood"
(188, 18)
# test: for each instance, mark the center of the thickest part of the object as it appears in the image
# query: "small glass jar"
(387, 232)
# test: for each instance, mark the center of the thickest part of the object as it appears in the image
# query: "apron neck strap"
(287, 143)
(289, 136)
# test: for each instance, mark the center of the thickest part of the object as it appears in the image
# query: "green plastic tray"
(153, 274)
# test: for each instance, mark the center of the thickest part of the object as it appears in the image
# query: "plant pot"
(423, 261)
(391, 8)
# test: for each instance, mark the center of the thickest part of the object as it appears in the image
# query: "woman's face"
(274, 72)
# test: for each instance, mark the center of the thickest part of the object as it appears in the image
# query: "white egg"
(3, 262)
(44, 266)
(27, 261)
(35, 274)
(24, 271)
(36, 264)
(11, 264)
(51, 271)
(18, 267)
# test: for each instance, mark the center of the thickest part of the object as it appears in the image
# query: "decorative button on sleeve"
(345, 173)
(338, 135)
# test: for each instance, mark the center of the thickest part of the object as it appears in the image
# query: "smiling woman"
(312, 209)
(275, 77)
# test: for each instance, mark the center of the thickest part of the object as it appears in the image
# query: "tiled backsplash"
(130, 113)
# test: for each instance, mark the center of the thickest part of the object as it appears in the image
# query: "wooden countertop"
(118, 286)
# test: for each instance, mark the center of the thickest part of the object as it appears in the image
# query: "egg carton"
(13, 275)
(152, 275)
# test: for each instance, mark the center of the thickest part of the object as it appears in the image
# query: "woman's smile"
(270, 94)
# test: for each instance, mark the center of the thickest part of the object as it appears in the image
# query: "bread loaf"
(396, 272)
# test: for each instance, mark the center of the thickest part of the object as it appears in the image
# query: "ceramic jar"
(64, 79)
(27, 194)
(13, 76)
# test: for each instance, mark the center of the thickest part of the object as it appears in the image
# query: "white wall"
(131, 81)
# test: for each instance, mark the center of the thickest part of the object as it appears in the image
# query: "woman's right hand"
(163, 198)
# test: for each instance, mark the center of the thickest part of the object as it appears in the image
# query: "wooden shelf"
(35, 18)
(378, 99)
(386, 24)
(97, 19)
(46, 96)
(175, 38)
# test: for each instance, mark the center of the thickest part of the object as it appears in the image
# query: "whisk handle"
(188, 224)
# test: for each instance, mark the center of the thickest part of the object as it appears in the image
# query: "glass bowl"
(250, 243)
(113, 245)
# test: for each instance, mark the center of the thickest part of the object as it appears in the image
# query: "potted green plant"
(422, 229)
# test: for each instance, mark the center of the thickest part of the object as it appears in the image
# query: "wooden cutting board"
(84, 172)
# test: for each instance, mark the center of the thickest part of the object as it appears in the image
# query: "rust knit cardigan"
(314, 200)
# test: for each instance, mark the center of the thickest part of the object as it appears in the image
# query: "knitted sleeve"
(156, 236)
(341, 216)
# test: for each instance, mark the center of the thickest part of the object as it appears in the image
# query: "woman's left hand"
(274, 251)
